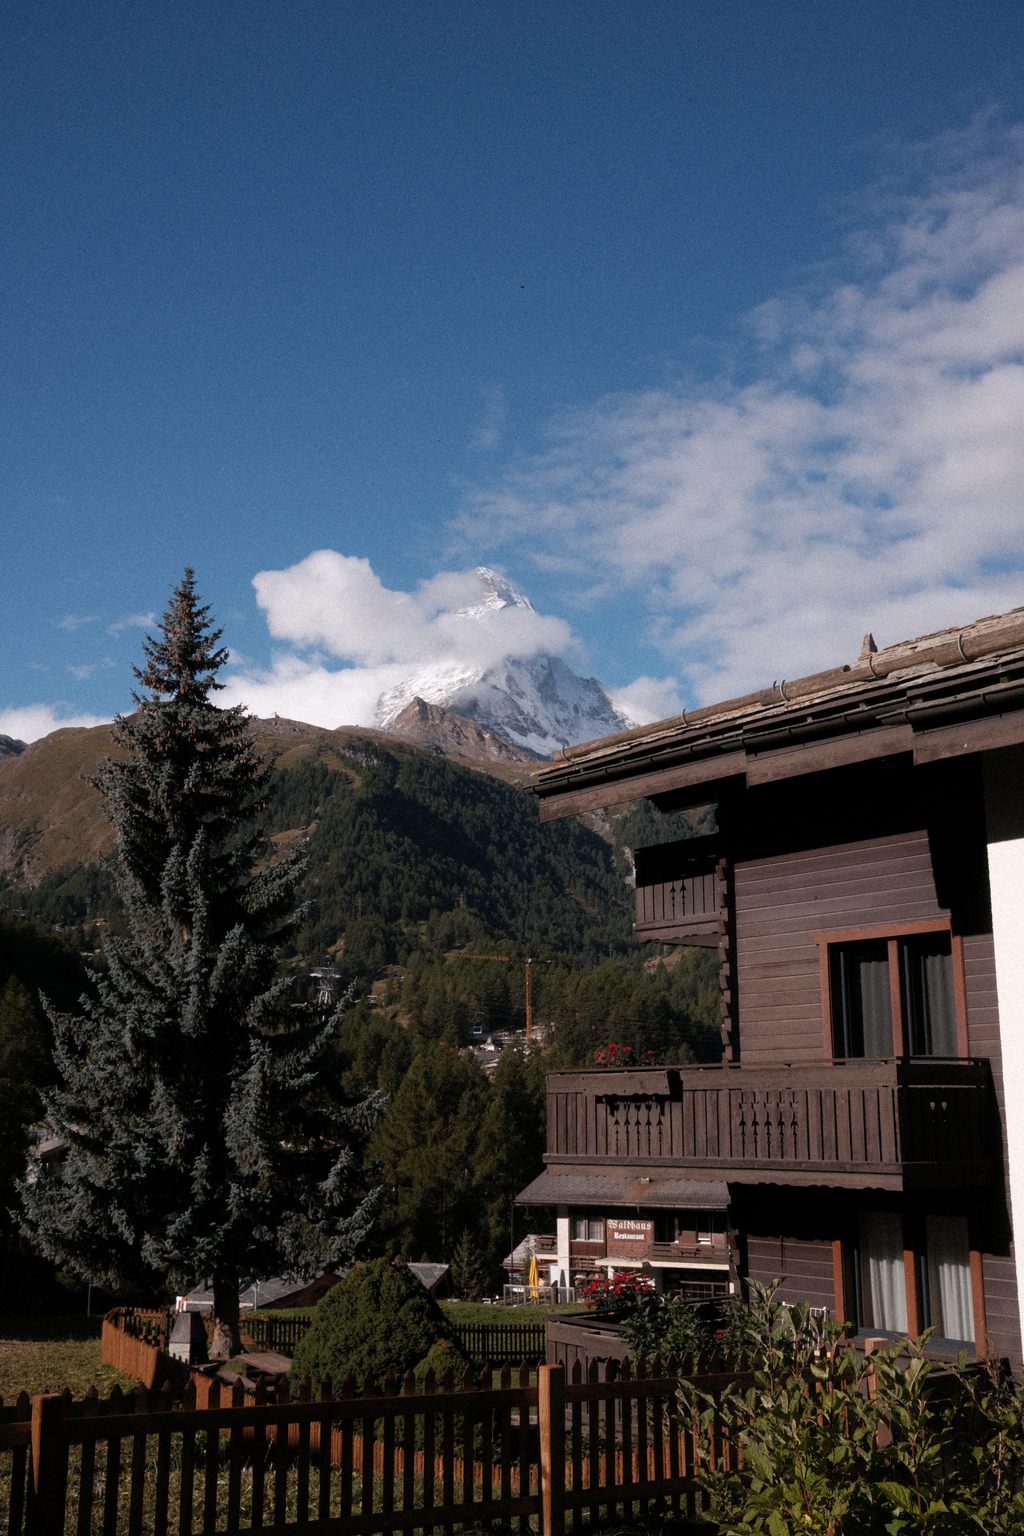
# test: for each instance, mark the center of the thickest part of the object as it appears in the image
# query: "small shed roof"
(429, 1274)
(621, 1188)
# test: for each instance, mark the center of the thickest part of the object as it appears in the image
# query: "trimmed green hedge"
(378, 1319)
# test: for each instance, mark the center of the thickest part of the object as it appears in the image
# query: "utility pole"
(529, 1001)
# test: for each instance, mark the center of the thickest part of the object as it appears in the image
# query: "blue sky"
(702, 321)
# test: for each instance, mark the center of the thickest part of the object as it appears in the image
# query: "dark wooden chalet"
(863, 1134)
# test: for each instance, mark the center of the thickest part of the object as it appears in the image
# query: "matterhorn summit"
(535, 701)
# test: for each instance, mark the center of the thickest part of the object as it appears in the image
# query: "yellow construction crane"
(458, 954)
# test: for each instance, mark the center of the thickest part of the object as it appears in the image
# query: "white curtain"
(876, 1007)
(882, 1239)
(949, 1277)
(928, 995)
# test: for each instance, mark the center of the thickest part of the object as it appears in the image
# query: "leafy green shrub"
(839, 1444)
(445, 1355)
(378, 1319)
(667, 1325)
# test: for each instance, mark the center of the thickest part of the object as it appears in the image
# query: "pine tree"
(428, 1145)
(24, 1068)
(512, 1142)
(471, 1273)
(199, 1143)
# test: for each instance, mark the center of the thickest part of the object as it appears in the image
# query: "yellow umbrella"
(533, 1279)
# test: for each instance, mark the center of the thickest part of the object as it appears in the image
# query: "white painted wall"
(1004, 818)
(564, 1276)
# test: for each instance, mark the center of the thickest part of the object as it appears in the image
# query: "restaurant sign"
(627, 1238)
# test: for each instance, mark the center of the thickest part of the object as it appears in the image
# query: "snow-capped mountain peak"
(500, 593)
(535, 701)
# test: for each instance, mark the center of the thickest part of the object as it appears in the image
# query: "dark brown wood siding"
(670, 901)
(806, 1264)
(1001, 1314)
(998, 1267)
(782, 901)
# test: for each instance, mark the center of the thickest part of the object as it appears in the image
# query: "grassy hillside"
(406, 847)
(50, 817)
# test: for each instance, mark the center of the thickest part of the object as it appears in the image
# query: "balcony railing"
(893, 1124)
(688, 1253)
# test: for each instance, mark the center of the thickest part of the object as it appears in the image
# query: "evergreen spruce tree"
(24, 1069)
(199, 1145)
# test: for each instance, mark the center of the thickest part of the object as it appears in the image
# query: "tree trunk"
(226, 1342)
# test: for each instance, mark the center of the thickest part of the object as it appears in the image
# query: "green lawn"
(473, 1313)
(50, 1365)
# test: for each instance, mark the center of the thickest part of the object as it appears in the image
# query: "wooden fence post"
(47, 1492)
(884, 1435)
(551, 1424)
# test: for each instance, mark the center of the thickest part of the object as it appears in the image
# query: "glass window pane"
(929, 1010)
(667, 1226)
(949, 1277)
(881, 1236)
(861, 1002)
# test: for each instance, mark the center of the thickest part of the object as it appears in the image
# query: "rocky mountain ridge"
(454, 735)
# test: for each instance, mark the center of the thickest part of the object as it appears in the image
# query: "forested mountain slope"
(50, 817)
(418, 866)
(399, 836)
(395, 835)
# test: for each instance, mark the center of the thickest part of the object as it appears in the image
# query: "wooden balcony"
(856, 1124)
(545, 1246)
(585, 1252)
(685, 1255)
(689, 1254)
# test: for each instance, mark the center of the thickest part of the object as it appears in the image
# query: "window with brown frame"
(701, 1228)
(899, 1277)
(894, 994)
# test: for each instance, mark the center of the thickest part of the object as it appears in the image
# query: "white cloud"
(74, 621)
(31, 721)
(488, 434)
(133, 621)
(332, 608)
(647, 699)
(867, 474)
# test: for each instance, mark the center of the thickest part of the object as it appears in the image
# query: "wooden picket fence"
(502, 1341)
(151, 1324)
(533, 1456)
(277, 1333)
(134, 1343)
(481, 1341)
